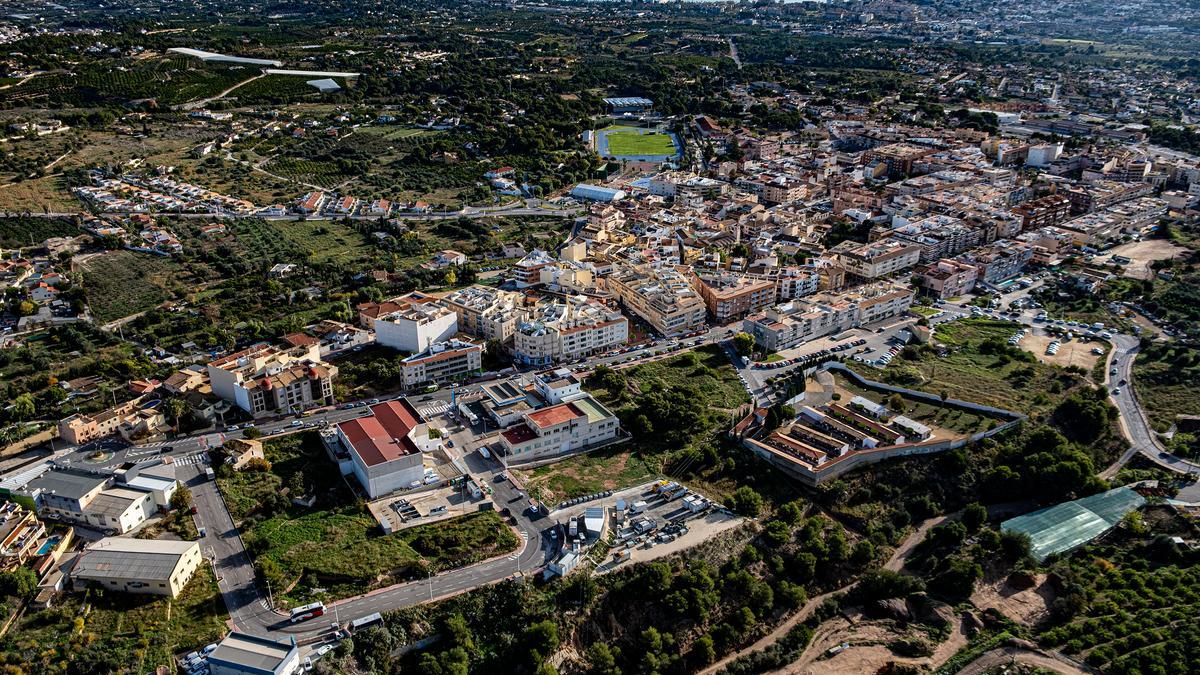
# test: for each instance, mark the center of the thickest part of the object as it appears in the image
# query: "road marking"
(194, 458)
(435, 409)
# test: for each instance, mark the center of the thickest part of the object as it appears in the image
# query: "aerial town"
(596, 338)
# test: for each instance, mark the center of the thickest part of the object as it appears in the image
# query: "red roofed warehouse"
(386, 446)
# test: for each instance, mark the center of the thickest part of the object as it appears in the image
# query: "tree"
(23, 407)
(974, 516)
(21, 582)
(704, 650)
(896, 402)
(252, 433)
(603, 659)
(743, 343)
(182, 499)
(746, 501)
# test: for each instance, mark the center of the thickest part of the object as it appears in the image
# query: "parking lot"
(401, 511)
(659, 528)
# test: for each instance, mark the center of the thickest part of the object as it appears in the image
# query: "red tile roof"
(555, 414)
(383, 436)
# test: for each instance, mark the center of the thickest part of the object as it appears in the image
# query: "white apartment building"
(417, 327)
(567, 329)
(442, 362)
(795, 323)
(877, 259)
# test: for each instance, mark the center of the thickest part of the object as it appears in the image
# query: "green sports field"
(632, 141)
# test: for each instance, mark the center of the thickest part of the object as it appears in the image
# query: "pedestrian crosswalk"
(194, 458)
(435, 409)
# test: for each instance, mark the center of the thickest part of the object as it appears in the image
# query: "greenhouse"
(1071, 524)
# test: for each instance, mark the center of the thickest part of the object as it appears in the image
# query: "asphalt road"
(249, 610)
(248, 605)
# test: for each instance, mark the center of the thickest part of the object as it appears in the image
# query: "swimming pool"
(49, 544)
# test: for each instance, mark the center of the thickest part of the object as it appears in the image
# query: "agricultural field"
(276, 89)
(31, 231)
(324, 240)
(168, 80)
(97, 631)
(337, 544)
(48, 194)
(121, 283)
(1130, 601)
(323, 174)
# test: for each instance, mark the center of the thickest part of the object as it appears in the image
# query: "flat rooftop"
(252, 653)
(118, 558)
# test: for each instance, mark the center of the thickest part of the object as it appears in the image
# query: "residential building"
(559, 430)
(878, 259)
(151, 566)
(416, 327)
(730, 296)
(1101, 194)
(661, 295)
(312, 202)
(938, 236)
(790, 282)
(263, 379)
(88, 499)
(442, 362)
(526, 272)
(79, 429)
(803, 320)
(567, 329)
(385, 447)
(21, 533)
(999, 261)
(948, 278)
(485, 312)
(1048, 210)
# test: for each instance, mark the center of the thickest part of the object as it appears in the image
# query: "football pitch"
(635, 142)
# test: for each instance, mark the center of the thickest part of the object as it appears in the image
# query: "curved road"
(249, 607)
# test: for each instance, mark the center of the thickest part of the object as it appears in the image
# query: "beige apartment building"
(442, 362)
(663, 296)
(877, 259)
(485, 312)
(263, 378)
(795, 323)
(948, 278)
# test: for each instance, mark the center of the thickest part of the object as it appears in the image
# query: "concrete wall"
(853, 460)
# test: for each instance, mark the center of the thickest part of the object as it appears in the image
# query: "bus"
(368, 620)
(308, 612)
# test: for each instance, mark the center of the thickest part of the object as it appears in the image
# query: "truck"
(209, 473)
(573, 527)
(637, 508)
